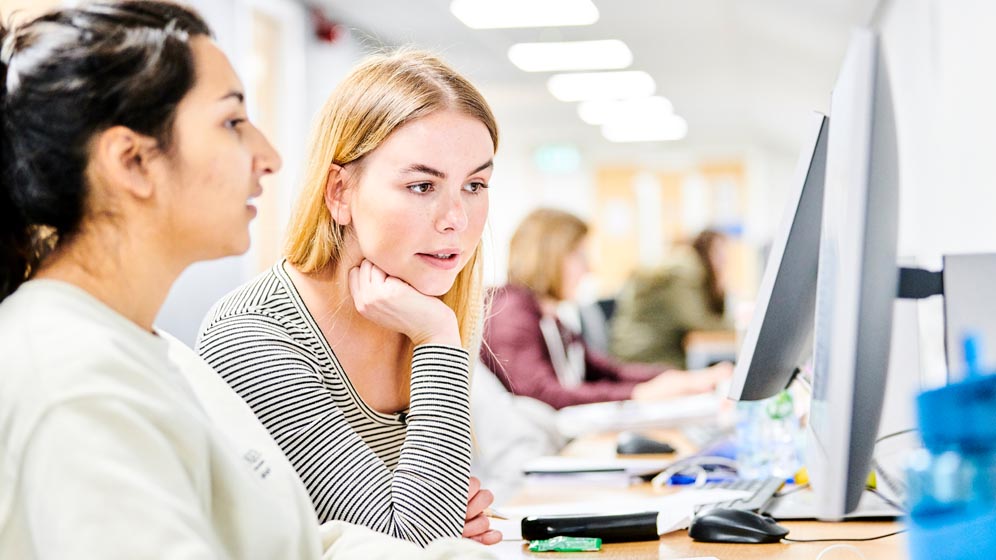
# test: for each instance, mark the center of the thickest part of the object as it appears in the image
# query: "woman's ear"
(121, 157)
(337, 194)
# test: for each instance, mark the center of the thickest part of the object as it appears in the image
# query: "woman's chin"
(434, 287)
(435, 290)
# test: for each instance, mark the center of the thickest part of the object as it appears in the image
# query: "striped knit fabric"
(403, 474)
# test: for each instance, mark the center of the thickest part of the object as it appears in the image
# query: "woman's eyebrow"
(483, 166)
(422, 168)
(234, 94)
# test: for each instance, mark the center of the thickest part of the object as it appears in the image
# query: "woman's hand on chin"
(392, 303)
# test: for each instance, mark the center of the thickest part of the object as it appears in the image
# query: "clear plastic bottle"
(767, 436)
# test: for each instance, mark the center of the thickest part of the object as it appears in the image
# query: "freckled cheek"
(477, 216)
(397, 232)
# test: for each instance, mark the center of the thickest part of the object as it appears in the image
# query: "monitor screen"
(856, 281)
(781, 329)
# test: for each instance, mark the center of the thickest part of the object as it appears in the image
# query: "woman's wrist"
(447, 335)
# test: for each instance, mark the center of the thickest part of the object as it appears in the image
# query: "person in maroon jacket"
(528, 339)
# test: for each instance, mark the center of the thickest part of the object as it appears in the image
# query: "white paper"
(511, 529)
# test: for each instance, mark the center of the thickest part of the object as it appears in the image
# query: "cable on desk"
(896, 486)
(892, 534)
(838, 546)
(697, 463)
(886, 499)
(894, 434)
(792, 490)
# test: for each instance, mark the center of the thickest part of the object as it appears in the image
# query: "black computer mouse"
(633, 443)
(735, 526)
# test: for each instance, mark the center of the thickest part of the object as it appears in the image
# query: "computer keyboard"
(761, 491)
(703, 435)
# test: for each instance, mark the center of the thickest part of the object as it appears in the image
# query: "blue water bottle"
(952, 481)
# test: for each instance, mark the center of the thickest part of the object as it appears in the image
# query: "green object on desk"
(566, 544)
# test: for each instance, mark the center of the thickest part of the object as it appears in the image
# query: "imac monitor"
(781, 328)
(856, 282)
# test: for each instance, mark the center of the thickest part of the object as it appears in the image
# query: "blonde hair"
(383, 93)
(538, 247)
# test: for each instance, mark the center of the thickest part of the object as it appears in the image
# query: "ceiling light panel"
(671, 127)
(495, 14)
(602, 111)
(601, 85)
(610, 54)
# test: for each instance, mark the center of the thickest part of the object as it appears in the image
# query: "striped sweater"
(403, 474)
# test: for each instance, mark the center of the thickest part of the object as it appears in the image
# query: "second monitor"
(781, 328)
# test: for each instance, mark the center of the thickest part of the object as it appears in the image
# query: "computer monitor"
(856, 281)
(780, 332)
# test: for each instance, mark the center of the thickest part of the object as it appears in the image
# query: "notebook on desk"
(577, 420)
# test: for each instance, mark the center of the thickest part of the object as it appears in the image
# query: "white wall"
(941, 57)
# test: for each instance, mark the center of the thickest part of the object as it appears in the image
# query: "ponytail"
(14, 239)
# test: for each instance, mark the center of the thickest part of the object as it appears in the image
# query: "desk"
(679, 545)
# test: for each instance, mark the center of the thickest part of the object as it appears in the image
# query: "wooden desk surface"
(679, 545)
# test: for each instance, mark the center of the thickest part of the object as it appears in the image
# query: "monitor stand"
(801, 505)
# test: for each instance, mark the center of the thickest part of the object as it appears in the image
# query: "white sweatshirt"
(118, 443)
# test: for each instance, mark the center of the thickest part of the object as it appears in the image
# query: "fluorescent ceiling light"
(610, 54)
(602, 111)
(668, 128)
(601, 85)
(493, 14)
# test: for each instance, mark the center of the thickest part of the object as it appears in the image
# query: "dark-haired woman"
(127, 156)
(658, 307)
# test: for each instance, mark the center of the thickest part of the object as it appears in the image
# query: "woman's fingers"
(489, 537)
(476, 526)
(479, 502)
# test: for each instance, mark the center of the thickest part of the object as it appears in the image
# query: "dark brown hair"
(64, 77)
(703, 244)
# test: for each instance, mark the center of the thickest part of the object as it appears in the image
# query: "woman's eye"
(475, 186)
(420, 188)
(234, 123)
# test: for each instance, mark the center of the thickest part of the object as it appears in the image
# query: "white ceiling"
(744, 73)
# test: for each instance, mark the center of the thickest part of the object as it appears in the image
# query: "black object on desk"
(625, 527)
(633, 443)
(735, 526)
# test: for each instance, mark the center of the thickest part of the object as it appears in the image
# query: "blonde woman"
(530, 344)
(354, 350)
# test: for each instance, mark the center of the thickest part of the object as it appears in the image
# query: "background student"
(658, 307)
(127, 156)
(354, 350)
(529, 342)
